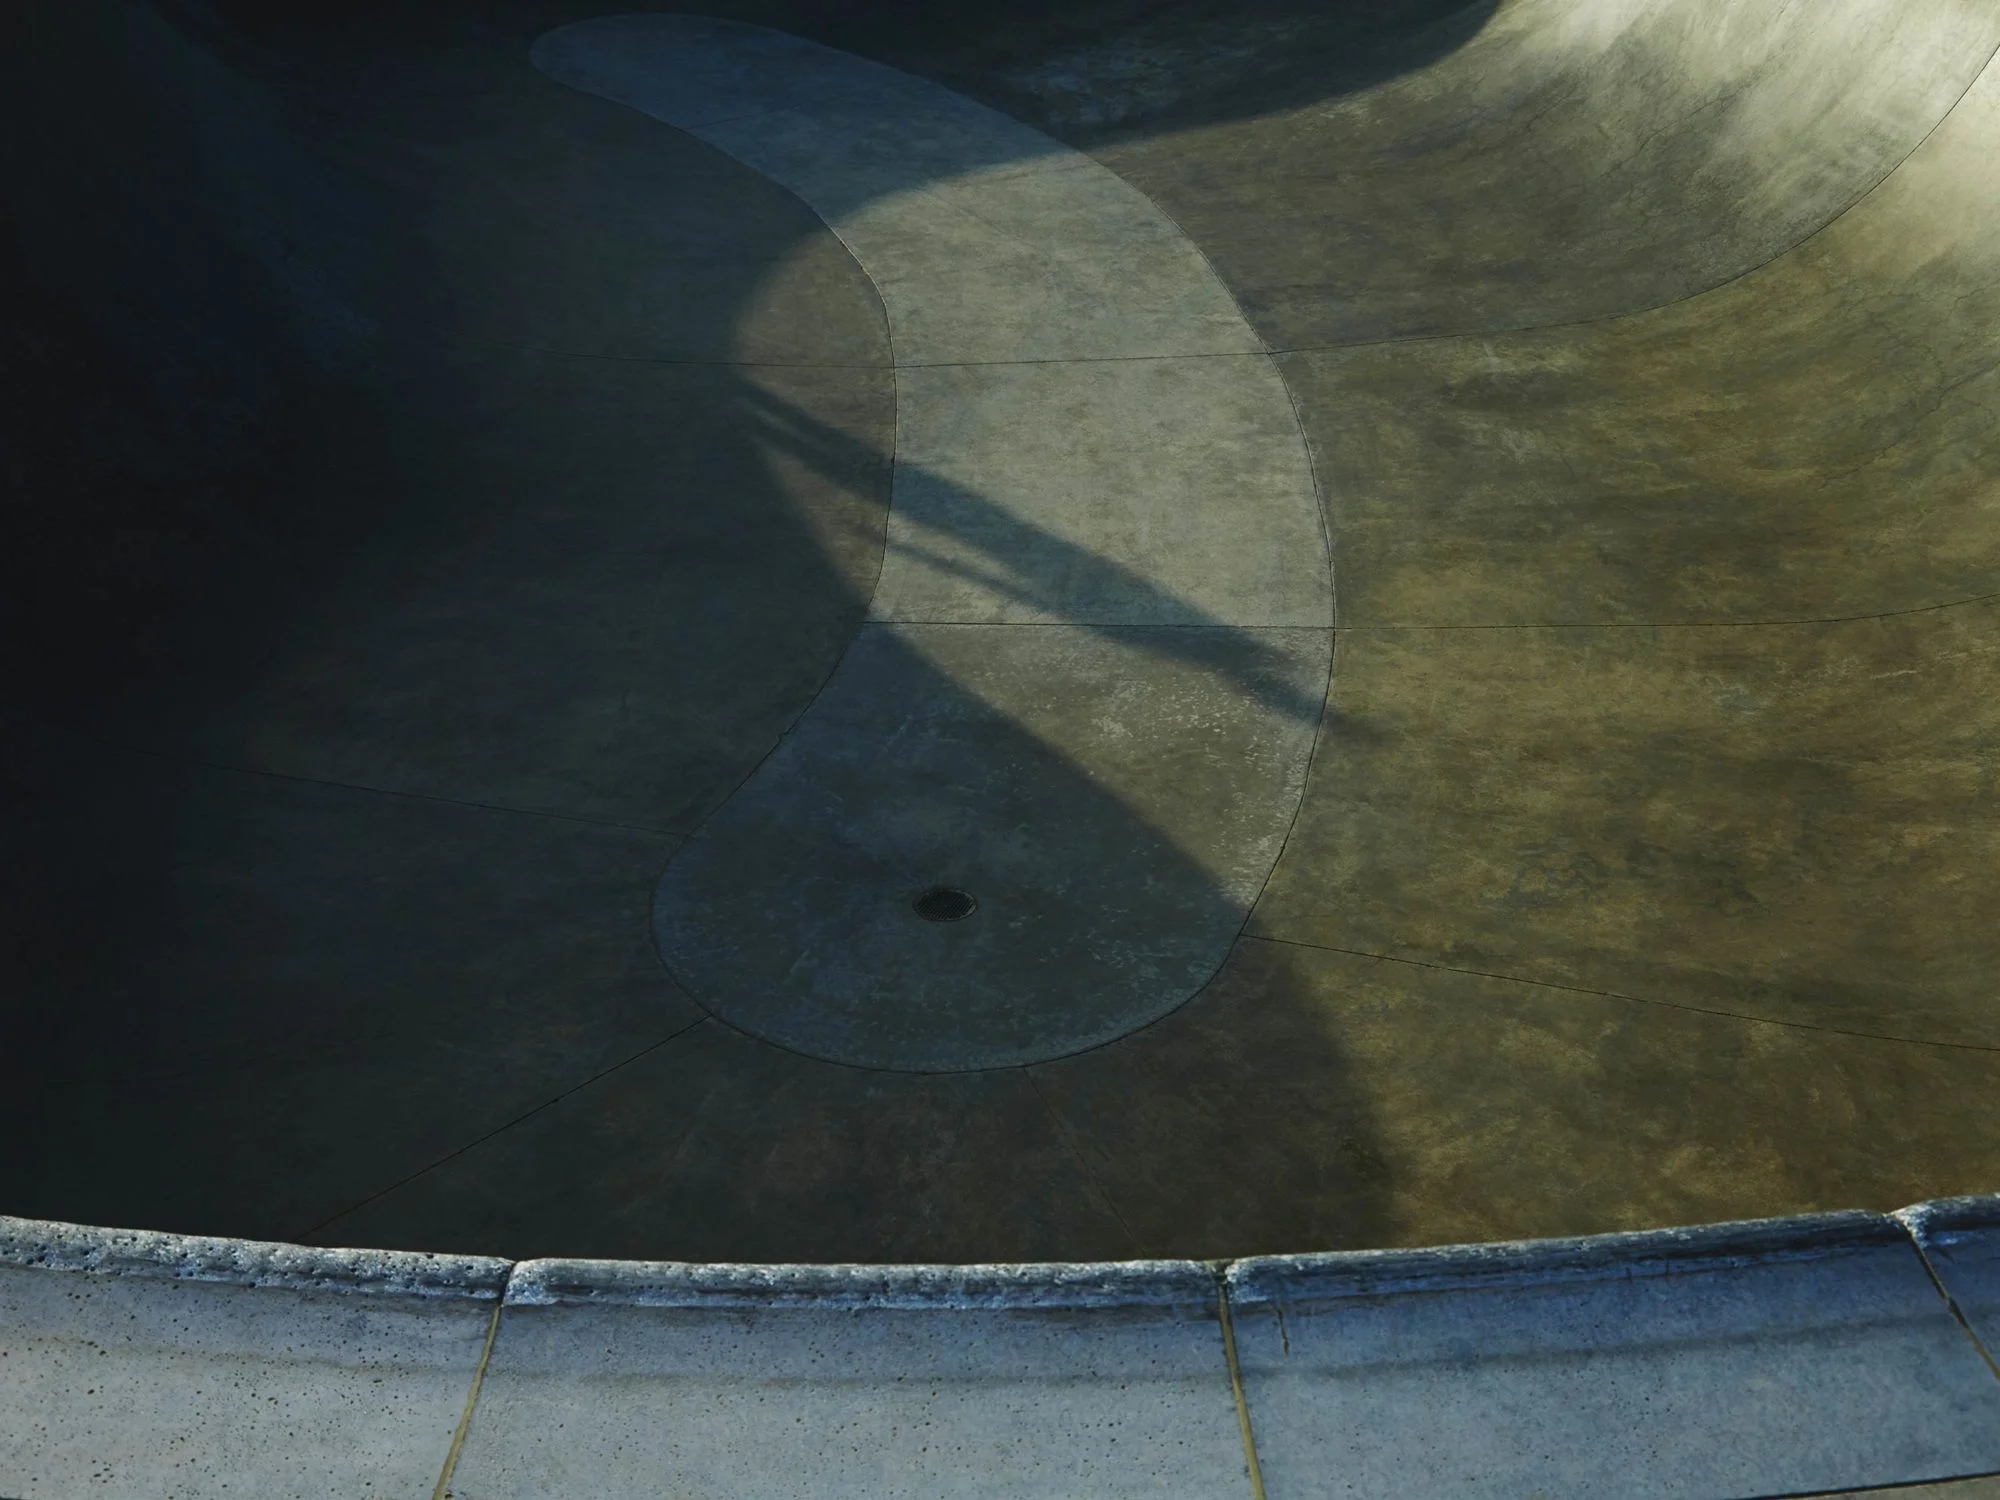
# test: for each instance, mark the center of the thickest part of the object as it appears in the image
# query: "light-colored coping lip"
(1944, 1221)
(1166, 1284)
(1186, 1287)
(147, 1254)
(1526, 1263)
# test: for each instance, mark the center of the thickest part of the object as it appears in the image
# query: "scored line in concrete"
(1090, 438)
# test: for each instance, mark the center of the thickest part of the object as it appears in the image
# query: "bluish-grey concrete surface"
(1737, 1362)
(895, 1382)
(1960, 1238)
(137, 1364)
(1776, 1359)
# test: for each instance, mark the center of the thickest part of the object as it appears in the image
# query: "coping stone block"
(616, 1379)
(1767, 1358)
(1961, 1239)
(163, 1367)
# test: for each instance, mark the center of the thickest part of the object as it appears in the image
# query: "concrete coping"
(1811, 1356)
(1165, 1284)
(146, 1254)
(1945, 1221)
(1525, 1263)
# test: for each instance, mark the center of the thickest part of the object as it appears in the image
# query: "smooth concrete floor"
(453, 488)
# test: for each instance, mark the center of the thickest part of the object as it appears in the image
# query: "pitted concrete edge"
(1174, 1284)
(1942, 1227)
(1154, 1290)
(45, 1244)
(1642, 1253)
(1943, 1219)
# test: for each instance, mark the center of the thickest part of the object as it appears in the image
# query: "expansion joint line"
(1221, 1272)
(443, 1490)
(1915, 1231)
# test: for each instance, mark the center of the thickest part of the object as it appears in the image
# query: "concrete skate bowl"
(1426, 572)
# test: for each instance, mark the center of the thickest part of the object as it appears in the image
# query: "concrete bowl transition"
(1056, 750)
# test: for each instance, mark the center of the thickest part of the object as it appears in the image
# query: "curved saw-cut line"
(1072, 454)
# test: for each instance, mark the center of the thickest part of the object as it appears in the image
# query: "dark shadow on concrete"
(365, 668)
(1011, 541)
(1234, 1126)
(1129, 66)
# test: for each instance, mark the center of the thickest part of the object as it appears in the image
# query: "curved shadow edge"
(1101, 638)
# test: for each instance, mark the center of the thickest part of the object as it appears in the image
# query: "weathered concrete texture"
(987, 239)
(1395, 1103)
(945, 755)
(1141, 492)
(334, 987)
(1403, 1104)
(1729, 1363)
(1566, 162)
(382, 416)
(1785, 822)
(622, 1380)
(529, 638)
(143, 1365)
(1815, 441)
(1961, 1240)
(1776, 821)
(1079, 486)
(1771, 1359)
(729, 1148)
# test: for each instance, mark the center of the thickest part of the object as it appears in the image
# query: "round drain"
(943, 904)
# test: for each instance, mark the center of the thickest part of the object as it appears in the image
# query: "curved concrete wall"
(1782, 1358)
(1103, 533)
(1640, 873)
(1567, 160)
(1786, 396)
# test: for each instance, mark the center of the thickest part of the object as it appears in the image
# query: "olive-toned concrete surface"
(1343, 1077)
(1786, 448)
(1759, 842)
(135, 1364)
(1756, 844)
(1571, 1369)
(445, 489)
(1568, 161)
